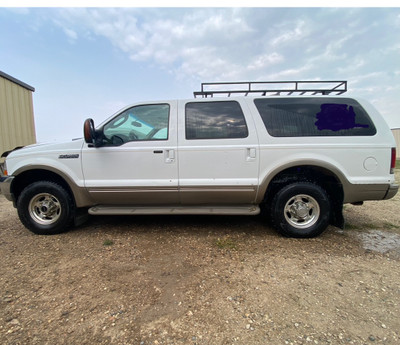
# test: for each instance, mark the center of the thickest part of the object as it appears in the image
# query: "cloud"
(71, 34)
(245, 43)
(265, 60)
(191, 41)
(19, 10)
(211, 44)
(290, 35)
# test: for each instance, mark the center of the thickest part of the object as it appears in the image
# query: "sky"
(90, 62)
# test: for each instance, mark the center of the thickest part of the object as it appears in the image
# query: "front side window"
(314, 117)
(140, 123)
(215, 120)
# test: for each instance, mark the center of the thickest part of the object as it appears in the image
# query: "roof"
(16, 81)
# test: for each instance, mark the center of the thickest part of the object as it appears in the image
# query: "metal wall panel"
(396, 134)
(17, 127)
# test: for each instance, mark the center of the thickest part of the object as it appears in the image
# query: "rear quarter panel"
(355, 160)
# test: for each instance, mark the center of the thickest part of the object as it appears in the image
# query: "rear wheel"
(45, 208)
(301, 209)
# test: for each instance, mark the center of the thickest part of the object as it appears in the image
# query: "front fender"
(80, 194)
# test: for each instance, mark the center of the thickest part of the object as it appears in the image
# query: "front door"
(136, 165)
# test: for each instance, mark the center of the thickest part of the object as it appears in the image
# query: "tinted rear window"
(300, 117)
(215, 120)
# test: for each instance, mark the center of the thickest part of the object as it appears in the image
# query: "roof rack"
(272, 88)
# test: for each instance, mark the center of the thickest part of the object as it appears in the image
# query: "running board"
(217, 210)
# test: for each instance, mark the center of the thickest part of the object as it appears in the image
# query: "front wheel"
(45, 208)
(301, 209)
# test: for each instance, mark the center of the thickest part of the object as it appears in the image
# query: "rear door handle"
(251, 154)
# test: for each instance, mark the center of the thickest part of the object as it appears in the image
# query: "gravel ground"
(201, 280)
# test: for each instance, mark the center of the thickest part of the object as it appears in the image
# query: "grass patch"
(108, 242)
(366, 226)
(371, 226)
(390, 225)
(398, 164)
(349, 226)
(226, 243)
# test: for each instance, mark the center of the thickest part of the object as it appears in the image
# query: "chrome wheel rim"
(302, 211)
(45, 208)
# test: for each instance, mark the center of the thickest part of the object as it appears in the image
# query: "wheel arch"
(328, 178)
(25, 177)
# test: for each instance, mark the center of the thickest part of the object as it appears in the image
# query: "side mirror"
(89, 132)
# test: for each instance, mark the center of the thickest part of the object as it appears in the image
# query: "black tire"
(301, 209)
(45, 208)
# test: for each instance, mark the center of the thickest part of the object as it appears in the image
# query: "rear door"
(218, 153)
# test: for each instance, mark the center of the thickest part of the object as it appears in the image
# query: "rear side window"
(301, 117)
(215, 120)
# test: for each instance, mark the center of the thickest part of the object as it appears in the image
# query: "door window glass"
(140, 123)
(215, 120)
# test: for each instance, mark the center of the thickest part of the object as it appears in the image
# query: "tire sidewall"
(285, 194)
(67, 208)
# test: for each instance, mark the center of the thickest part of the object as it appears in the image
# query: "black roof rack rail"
(272, 88)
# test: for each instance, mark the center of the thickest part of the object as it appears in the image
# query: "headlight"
(3, 169)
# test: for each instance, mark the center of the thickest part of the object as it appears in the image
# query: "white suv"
(298, 157)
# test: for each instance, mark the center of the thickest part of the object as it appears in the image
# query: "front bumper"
(5, 187)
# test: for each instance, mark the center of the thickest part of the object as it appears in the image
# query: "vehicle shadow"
(180, 224)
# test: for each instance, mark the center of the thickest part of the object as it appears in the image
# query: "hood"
(41, 148)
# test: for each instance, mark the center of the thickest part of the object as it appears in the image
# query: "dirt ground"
(202, 280)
